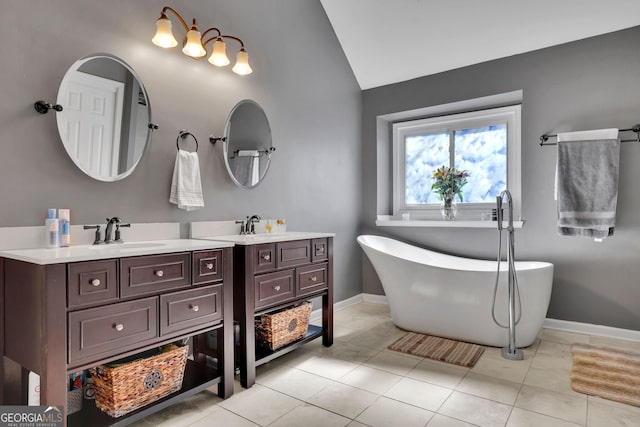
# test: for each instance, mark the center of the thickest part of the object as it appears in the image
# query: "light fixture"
(194, 44)
(242, 66)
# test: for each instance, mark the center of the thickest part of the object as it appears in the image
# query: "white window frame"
(511, 115)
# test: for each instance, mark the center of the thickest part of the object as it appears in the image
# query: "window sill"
(388, 221)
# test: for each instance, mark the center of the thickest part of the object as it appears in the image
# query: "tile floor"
(359, 382)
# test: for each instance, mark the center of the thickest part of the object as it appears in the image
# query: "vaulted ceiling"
(388, 41)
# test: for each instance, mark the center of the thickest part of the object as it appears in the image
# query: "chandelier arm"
(225, 36)
(212, 38)
(182, 21)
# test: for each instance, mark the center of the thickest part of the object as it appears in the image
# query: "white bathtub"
(450, 296)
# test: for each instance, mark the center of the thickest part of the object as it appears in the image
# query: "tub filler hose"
(511, 352)
(511, 266)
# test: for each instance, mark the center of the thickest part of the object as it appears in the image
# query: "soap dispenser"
(64, 218)
(52, 230)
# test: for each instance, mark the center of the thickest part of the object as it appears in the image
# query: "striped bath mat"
(436, 348)
(606, 372)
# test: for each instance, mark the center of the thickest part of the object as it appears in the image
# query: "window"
(486, 143)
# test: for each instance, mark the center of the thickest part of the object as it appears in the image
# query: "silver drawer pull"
(313, 278)
(95, 282)
(194, 307)
(118, 327)
(159, 273)
(210, 266)
(266, 257)
(320, 250)
(276, 288)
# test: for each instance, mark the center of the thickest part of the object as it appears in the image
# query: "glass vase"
(448, 207)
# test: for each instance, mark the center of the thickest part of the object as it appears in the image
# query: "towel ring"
(184, 134)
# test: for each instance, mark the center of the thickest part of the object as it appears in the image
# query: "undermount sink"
(128, 245)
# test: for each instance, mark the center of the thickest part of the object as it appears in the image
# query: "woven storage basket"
(129, 386)
(74, 401)
(276, 329)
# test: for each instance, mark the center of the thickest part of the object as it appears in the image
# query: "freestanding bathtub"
(450, 296)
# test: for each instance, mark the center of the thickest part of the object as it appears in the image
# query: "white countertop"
(44, 256)
(256, 239)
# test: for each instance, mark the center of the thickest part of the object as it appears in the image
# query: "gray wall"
(301, 78)
(588, 84)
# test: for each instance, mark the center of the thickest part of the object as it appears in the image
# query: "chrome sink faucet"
(107, 231)
(251, 223)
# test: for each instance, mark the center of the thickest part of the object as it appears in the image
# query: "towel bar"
(635, 128)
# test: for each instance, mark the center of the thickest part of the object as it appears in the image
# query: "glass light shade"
(164, 35)
(193, 46)
(219, 56)
(242, 66)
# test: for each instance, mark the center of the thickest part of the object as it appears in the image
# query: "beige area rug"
(436, 348)
(606, 372)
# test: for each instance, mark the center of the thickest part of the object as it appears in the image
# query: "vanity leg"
(53, 379)
(226, 340)
(327, 300)
(247, 350)
(2, 361)
(244, 311)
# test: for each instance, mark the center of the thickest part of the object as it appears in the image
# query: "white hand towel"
(186, 187)
(246, 167)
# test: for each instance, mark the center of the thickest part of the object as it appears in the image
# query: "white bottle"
(64, 218)
(52, 230)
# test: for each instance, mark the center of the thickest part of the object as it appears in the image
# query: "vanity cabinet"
(65, 317)
(275, 275)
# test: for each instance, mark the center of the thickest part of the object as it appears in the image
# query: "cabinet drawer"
(264, 257)
(92, 282)
(207, 266)
(152, 274)
(189, 309)
(310, 279)
(274, 287)
(297, 252)
(319, 250)
(112, 329)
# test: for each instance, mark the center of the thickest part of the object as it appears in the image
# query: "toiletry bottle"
(268, 226)
(282, 226)
(51, 228)
(64, 218)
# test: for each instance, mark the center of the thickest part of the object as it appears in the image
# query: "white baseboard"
(378, 299)
(591, 329)
(316, 315)
(560, 325)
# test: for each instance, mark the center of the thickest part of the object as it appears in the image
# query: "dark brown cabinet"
(66, 317)
(272, 276)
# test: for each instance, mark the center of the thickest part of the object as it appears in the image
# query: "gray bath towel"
(588, 183)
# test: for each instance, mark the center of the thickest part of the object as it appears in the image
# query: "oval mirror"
(247, 151)
(105, 122)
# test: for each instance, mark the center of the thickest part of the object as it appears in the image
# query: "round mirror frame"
(60, 117)
(263, 144)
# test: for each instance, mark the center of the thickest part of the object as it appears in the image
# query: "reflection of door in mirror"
(92, 104)
(104, 126)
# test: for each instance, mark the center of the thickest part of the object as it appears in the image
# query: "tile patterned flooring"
(359, 382)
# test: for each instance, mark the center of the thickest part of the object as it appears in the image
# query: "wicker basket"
(276, 329)
(126, 386)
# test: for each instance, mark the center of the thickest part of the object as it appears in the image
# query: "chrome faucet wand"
(511, 352)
